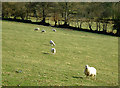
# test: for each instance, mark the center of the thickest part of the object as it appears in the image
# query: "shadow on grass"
(45, 53)
(47, 44)
(77, 77)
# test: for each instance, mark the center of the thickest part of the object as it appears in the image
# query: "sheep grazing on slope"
(36, 29)
(43, 31)
(54, 30)
(53, 50)
(52, 43)
(90, 71)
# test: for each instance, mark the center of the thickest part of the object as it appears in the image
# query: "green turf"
(28, 50)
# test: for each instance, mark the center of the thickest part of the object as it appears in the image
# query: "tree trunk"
(81, 24)
(96, 26)
(43, 21)
(99, 26)
(90, 26)
(55, 22)
(27, 16)
(66, 14)
(103, 27)
(22, 18)
(106, 27)
(65, 23)
(14, 17)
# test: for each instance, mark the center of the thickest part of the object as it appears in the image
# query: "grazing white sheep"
(36, 29)
(43, 31)
(53, 50)
(52, 43)
(54, 30)
(90, 71)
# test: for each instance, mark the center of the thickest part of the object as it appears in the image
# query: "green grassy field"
(25, 50)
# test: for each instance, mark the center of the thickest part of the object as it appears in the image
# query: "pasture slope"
(27, 58)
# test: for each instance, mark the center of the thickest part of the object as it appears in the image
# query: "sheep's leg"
(92, 76)
(53, 53)
(87, 76)
(95, 77)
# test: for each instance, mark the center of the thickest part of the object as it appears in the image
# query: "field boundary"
(63, 26)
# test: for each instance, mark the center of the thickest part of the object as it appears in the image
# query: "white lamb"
(52, 43)
(36, 29)
(43, 31)
(53, 50)
(54, 30)
(90, 71)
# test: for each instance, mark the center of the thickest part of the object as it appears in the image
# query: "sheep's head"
(43, 31)
(53, 50)
(86, 66)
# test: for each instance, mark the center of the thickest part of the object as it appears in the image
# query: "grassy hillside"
(25, 50)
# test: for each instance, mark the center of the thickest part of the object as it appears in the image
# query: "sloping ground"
(27, 60)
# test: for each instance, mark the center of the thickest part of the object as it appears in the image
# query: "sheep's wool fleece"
(90, 71)
(53, 50)
(51, 42)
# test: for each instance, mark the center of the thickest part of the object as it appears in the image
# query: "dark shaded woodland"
(64, 13)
